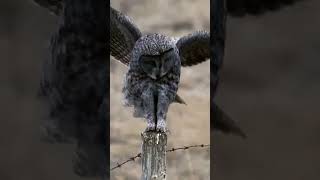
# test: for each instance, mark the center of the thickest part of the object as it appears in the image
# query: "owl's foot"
(150, 127)
(161, 129)
(161, 126)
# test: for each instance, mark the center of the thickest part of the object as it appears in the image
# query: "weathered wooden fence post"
(153, 155)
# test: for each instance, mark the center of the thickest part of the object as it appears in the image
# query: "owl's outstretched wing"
(240, 8)
(123, 32)
(54, 6)
(123, 35)
(194, 48)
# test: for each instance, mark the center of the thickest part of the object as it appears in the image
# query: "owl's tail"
(222, 122)
(179, 100)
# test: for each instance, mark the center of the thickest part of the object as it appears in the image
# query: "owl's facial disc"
(156, 66)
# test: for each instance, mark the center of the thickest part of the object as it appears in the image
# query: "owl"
(154, 60)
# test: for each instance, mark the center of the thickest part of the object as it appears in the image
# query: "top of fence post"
(153, 155)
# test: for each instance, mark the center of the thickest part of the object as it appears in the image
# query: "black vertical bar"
(107, 99)
(217, 43)
(218, 34)
(85, 36)
(75, 83)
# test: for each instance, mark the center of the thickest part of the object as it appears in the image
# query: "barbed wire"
(169, 150)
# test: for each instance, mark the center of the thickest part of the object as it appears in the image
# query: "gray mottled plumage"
(148, 93)
(123, 35)
(151, 97)
(194, 48)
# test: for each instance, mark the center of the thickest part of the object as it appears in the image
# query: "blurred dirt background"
(189, 124)
(270, 84)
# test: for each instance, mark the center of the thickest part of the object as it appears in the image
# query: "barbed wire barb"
(169, 150)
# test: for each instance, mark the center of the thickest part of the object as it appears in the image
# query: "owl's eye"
(150, 63)
(149, 66)
(168, 60)
(147, 61)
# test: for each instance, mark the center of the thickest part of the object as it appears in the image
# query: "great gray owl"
(152, 80)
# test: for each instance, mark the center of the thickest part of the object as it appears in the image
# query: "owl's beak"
(154, 75)
(157, 74)
(162, 73)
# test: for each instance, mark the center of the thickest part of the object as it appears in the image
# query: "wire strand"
(169, 150)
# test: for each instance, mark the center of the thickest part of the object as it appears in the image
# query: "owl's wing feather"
(194, 48)
(123, 35)
(241, 8)
(54, 6)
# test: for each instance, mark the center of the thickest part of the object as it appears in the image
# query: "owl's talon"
(161, 126)
(161, 129)
(150, 128)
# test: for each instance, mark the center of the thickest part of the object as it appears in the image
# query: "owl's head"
(156, 55)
